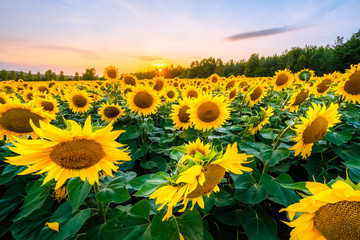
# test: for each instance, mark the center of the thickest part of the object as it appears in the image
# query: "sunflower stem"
(280, 135)
(100, 206)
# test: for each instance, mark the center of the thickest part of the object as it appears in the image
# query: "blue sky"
(137, 35)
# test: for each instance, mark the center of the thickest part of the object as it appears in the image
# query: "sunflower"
(3, 98)
(127, 89)
(231, 94)
(282, 79)
(61, 193)
(304, 75)
(159, 85)
(314, 127)
(198, 146)
(128, 79)
(208, 112)
(199, 175)
(69, 153)
(28, 95)
(190, 92)
(261, 120)
(111, 73)
(79, 101)
(143, 100)
(350, 88)
(179, 114)
(171, 94)
(298, 98)
(48, 104)
(43, 88)
(321, 85)
(15, 119)
(110, 112)
(256, 94)
(331, 213)
(229, 84)
(214, 79)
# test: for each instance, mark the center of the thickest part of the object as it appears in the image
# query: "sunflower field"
(214, 158)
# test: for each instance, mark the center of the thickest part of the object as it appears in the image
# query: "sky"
(135, 35)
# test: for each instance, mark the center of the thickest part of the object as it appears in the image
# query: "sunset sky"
(72, 35)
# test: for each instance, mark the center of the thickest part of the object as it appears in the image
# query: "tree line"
(322, 60)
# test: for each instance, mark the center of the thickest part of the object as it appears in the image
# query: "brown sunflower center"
(111, 73)
(230, 84)
(43, 89)
(316, 130)
(77, 154)
(127, 90)
(159, 85)
(208, 112)
(48, 106)
(79, 101)
(176, 84)
(256, 93)
(183, 115)
(323, 86)
(339, 221)
(301, 97)
(352, 86)
(170, 94)
(213, 175)
(214, 79)
(129, 80)
(2, 100)
(111, 112)
(18, 120)
(143, 99)
(29, 96)
(192, 94)
(281, 79)
(232, 94)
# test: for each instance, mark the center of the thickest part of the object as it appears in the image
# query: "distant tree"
(29, 76)
(38, 76)
(347, 53)
(48, 75)
(61, 76)
(76, 77)
(54, 76)
(4, 75)
(251, 65)
(21, 75)
(90, 74)
(12, 75)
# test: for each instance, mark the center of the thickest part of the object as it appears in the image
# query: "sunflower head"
(111, 73)
(350, 87)
(49, 104)
(159, 84)
(282, 79)
(129, 79)
(330, 212)
(143, 100)
(179, 114)
(69, 153)
(79, 101)
(171, 94)
(110, 112)
(298, 98)
(256, 94)
(190, 92)
(208, 112)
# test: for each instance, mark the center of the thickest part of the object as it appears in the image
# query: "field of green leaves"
(212, 158)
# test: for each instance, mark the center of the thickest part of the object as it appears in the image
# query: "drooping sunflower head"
(79, 101)
(197, 176)
(313, 128)
(259, 121)
(69, 153)
(256, 94)
(321, 86)
(297, 99)
(110, 112)
(350, 87)
(143, 100)
(179, 114)
(282, 79)
(129, 79)
(209, 111)
(15, 119)
(331, 212)
(111, 73)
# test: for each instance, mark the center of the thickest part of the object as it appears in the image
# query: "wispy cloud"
(262, 33)
(147, 58)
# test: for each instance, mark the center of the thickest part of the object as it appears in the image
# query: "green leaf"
(10, 171)
(69, 223)
(280, 194)
(268, 133)
(258, 225)
(338, 138)
(354, 169)
(34, 199)
(137, 183)
(228, 215)
(131, 132)
(7, 205)
(274, 156)
(300, 186)
(140, 152)
(248, 191)
(189, 224)
(136, 224)
(252, 148)
(115, 191)
(149, 186)
(78, 191)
